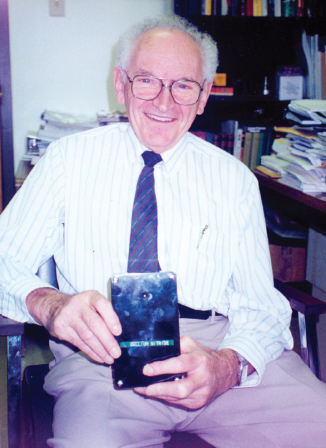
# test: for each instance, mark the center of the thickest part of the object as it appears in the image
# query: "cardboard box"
(288, 263)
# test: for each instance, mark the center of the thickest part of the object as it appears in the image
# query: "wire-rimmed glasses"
(183, 91)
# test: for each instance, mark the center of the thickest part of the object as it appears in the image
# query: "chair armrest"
(10, 327)
(300, 301)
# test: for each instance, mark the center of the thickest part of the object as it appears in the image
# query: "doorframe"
(6, 129)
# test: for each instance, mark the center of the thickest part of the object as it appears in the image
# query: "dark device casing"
(147, 306)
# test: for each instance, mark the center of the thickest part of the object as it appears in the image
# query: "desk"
(308, 210)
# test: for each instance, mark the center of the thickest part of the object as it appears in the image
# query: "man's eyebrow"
(148, 73)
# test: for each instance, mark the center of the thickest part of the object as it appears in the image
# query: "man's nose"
(164, 101)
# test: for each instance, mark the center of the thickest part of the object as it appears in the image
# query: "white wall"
(65, 63)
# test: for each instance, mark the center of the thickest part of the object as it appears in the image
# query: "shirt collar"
(172, 158)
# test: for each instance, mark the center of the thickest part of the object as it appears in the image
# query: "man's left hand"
(209, 374)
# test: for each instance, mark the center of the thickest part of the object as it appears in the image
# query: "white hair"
(204, 41)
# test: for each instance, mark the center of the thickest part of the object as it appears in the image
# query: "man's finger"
(97, 336)
(106, 311)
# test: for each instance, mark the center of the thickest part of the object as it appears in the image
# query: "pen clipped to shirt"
(202, 234)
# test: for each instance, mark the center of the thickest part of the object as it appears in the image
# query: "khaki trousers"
(287, 409)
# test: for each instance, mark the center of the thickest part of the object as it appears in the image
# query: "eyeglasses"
(183, 91)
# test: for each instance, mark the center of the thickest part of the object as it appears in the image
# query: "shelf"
(313, 25)
(250, 110)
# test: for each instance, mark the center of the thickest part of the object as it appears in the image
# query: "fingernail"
(117, 330)
(108, 359)
(115, 352)
(148, 370)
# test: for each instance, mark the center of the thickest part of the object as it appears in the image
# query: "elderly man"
(77, 205)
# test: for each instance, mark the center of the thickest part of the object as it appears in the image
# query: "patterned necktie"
(143, 235)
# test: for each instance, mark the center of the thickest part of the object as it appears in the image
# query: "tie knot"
(151, 158)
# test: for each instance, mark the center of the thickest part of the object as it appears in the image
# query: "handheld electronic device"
(147, 306)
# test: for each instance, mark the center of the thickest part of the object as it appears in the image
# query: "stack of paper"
(57, 124)
(303, 156)
(311, 112)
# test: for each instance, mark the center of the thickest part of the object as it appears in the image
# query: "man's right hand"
(86, 320)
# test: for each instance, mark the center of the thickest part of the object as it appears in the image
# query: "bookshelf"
(250, 49)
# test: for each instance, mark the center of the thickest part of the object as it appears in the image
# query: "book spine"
(216, 8)
(235, 7)
(230, 143)
(222, 91)
(250, 8)
(289, 8)
(247, 148)
(277, 8)
(224, 7)
(264, 8)
(206, 7)
(323, 72)
(254, 150)
(243, 7)
(257, 8)
(270, 8)
(237, 144)
(224, 143)
(300, 8)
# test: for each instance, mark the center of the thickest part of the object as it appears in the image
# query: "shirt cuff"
(252, 353)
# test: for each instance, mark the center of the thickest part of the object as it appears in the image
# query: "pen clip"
(202, 234)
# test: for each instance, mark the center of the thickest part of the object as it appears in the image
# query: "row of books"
(257, 8)
(247, 143)
(314, 48)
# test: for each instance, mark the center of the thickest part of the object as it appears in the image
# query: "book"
(206, 7)
(270, 8)
(254, 150)
(261, 146)
(264, 8)
(323, 72)
(247, 148)
(257, 8)
(289, 8)
(216, 7)
(268, 171)
(243, 7)
(238, 143)
(250, 8)
(235, 8)
(300, 8)
(222, 91)
(220, 80)
(277, 8)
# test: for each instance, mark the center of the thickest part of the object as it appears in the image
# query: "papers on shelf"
(313, 109)
(274, 163)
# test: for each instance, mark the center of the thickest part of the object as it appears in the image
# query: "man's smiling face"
(170, 55)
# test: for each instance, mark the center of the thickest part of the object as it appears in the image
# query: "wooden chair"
(37, 404)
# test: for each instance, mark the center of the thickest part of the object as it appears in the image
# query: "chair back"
(47, 272)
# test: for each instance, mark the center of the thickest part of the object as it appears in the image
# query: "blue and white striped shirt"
(76, 205)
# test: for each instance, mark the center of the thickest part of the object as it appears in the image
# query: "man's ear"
(119, 85)
(204, 97)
